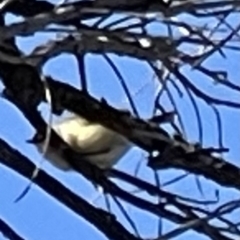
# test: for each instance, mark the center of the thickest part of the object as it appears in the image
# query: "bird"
(94, 142)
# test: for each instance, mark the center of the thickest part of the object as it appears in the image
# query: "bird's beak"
(30, 141)
(37, 138)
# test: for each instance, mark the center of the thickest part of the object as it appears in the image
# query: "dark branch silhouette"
(24, 86)
(8, 232)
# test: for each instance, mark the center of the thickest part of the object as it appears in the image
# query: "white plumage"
(98, 144)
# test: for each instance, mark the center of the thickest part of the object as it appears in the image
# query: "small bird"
(94, 143)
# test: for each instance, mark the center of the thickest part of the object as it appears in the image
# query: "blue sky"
(39, 216)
